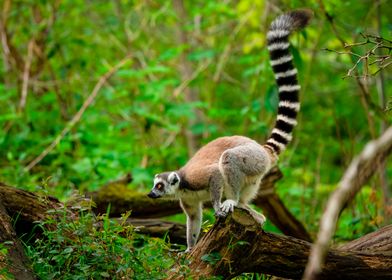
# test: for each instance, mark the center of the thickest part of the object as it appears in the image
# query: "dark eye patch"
(159, 186)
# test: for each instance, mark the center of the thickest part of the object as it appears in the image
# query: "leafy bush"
(90, 247)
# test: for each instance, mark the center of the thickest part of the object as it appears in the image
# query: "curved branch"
(357, 174)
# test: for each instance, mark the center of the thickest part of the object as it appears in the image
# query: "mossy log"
(26, 208)
(119, 199)
(122, 199)
(237, 244)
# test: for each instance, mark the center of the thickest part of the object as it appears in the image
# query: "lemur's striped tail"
(285, 75)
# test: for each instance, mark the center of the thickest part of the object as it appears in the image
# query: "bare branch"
(26, 75)
(359, 171)
(76, 118)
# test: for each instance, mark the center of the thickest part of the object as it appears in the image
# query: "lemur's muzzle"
(152, 194)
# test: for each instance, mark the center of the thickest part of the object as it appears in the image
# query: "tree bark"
(26, 207)
(13, 263)
(237, 244)
(378, 241)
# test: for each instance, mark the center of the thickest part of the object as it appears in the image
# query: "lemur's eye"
(159, 186)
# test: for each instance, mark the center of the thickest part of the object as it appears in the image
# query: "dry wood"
(237, 244)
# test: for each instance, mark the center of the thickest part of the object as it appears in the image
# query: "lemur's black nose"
(151, 194)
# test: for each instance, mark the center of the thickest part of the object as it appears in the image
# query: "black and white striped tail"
(285, 76)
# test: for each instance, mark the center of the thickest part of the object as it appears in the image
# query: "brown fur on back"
(205, 162)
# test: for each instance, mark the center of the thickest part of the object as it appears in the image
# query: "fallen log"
(122, 199)
(237, 244)
(26, 208)
(175, 232)
(378, 241)
(13, 262)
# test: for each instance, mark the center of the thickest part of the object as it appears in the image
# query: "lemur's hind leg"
(240, 166)
(216, 188)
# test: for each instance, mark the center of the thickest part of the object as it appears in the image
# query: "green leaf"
(212, 258)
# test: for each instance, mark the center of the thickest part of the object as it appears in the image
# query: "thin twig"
(356, 175)
(226, 52)
(76, 118)
(203, 66)
(364, 97)
(26, 76)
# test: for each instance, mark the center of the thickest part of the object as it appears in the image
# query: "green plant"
(89, 247)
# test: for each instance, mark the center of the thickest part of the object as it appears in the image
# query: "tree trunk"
(237, 244)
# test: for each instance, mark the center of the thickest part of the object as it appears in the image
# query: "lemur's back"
(208, 157)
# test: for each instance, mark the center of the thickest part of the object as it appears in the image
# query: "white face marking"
(162, 187)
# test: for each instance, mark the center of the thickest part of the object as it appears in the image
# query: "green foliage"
(139, 120)
(212, 258)
(78, 249)
(4, 251)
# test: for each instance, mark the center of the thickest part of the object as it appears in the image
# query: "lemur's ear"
(173, 178)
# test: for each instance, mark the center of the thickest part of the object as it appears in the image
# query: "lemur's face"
(165, 184)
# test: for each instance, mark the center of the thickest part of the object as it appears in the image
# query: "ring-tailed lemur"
(235, 165)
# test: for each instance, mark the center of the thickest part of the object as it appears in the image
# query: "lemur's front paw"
(220, 214)
(228, 205)
(188, 250)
